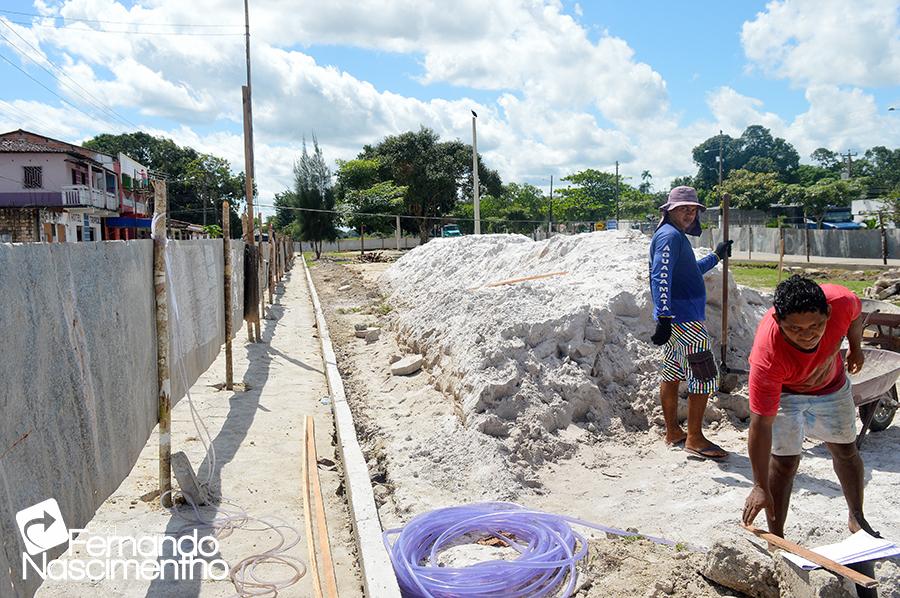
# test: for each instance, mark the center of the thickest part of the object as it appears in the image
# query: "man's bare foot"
(676, 437)
(701, 447)
(857, 522)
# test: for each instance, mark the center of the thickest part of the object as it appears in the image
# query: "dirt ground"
(417, 445)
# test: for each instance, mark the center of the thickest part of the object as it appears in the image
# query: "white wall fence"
(371, 244)
(861, 244)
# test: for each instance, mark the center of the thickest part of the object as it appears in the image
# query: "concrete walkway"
(258, 438)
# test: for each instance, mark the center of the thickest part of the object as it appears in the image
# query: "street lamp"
(475, 177)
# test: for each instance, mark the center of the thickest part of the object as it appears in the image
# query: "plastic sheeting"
(78, 378)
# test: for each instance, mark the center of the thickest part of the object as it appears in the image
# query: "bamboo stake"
(307, 516)
(273, 265)
(160, 288)
(515, 280)
(833, 566)
(226, 246)
(321, 526)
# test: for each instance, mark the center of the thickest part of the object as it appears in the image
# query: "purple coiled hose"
(549, 550)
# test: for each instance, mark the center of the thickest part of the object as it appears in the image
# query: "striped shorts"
(687, 338)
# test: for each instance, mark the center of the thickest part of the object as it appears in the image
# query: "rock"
(797, 583)
(395, 358)
(594, 334)
(372, 334)
(584, 350)
(360, 326)
(736, 404)
(738, 563)
(408, 365)
(888, 292)
(344, 288)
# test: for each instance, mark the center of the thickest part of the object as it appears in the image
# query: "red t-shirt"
(778, 367)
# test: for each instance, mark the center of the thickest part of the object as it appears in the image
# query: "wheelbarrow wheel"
(884, 413)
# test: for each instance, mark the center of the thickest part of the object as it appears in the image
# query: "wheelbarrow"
(874, 390)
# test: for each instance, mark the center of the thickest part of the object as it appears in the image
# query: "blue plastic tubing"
(548, 552)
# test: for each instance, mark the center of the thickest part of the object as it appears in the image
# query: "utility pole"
(475, 177)
(246, 96)
(248, 131)
(849, 155)
(617, 194)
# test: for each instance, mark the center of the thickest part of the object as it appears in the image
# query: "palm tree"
(646, 185)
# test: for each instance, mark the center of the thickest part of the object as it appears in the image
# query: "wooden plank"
(523, 279)
(833, 566)
(312, 471)
(307, 516)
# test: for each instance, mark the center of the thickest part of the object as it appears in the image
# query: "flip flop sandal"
(710, 452)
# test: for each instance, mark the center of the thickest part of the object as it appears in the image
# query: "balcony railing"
(76, 195)
(112, 202)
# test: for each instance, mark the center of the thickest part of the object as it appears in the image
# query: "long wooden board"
(833, 566)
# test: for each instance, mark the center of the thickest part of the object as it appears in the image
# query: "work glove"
(723, 249)
(663, 330)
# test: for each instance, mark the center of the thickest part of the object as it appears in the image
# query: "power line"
(199, 25)
(96, 103)
(24, 72)
(124, 31)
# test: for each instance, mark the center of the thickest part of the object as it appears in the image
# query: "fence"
(860, 244)
(370, 243)
(79, 370)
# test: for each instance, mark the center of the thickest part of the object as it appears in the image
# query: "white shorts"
(831, 418)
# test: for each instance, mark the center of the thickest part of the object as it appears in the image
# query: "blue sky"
(559, 86)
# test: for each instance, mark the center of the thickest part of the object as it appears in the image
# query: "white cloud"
(827, 42)
(564, 100)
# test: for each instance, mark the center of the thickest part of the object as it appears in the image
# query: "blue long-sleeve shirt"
(676, 277)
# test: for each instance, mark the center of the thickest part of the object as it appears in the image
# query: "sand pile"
(526, 360)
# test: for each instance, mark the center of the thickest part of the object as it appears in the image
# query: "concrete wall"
(371, 244)
(78, 370)
(864, 244)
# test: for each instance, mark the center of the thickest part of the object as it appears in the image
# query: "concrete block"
(739, 563)
(794, 582)
(408, 365)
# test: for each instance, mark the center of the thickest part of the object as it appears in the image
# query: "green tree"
(381, 198)
(826, 159)
(435, 173)
(825, 194)
(752, 190)
(682, 181)
(755, 150)
(314, 197)
(646, 182)
(591, 196)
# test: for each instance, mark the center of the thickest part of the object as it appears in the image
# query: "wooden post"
(160, 289)
(884, 244)
(362, 239)
(273, 265)
(724, 343)
(806, 236)
(226, 246)
(397, 232)
(261, 299)
(781, 254)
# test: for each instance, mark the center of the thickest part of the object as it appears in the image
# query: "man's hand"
(855, 361)
(758, 500)
(663, 330)
(723, 249)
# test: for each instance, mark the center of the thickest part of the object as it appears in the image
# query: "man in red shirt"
(798, 387)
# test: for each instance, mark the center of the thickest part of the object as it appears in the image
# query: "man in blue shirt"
(679, 299)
